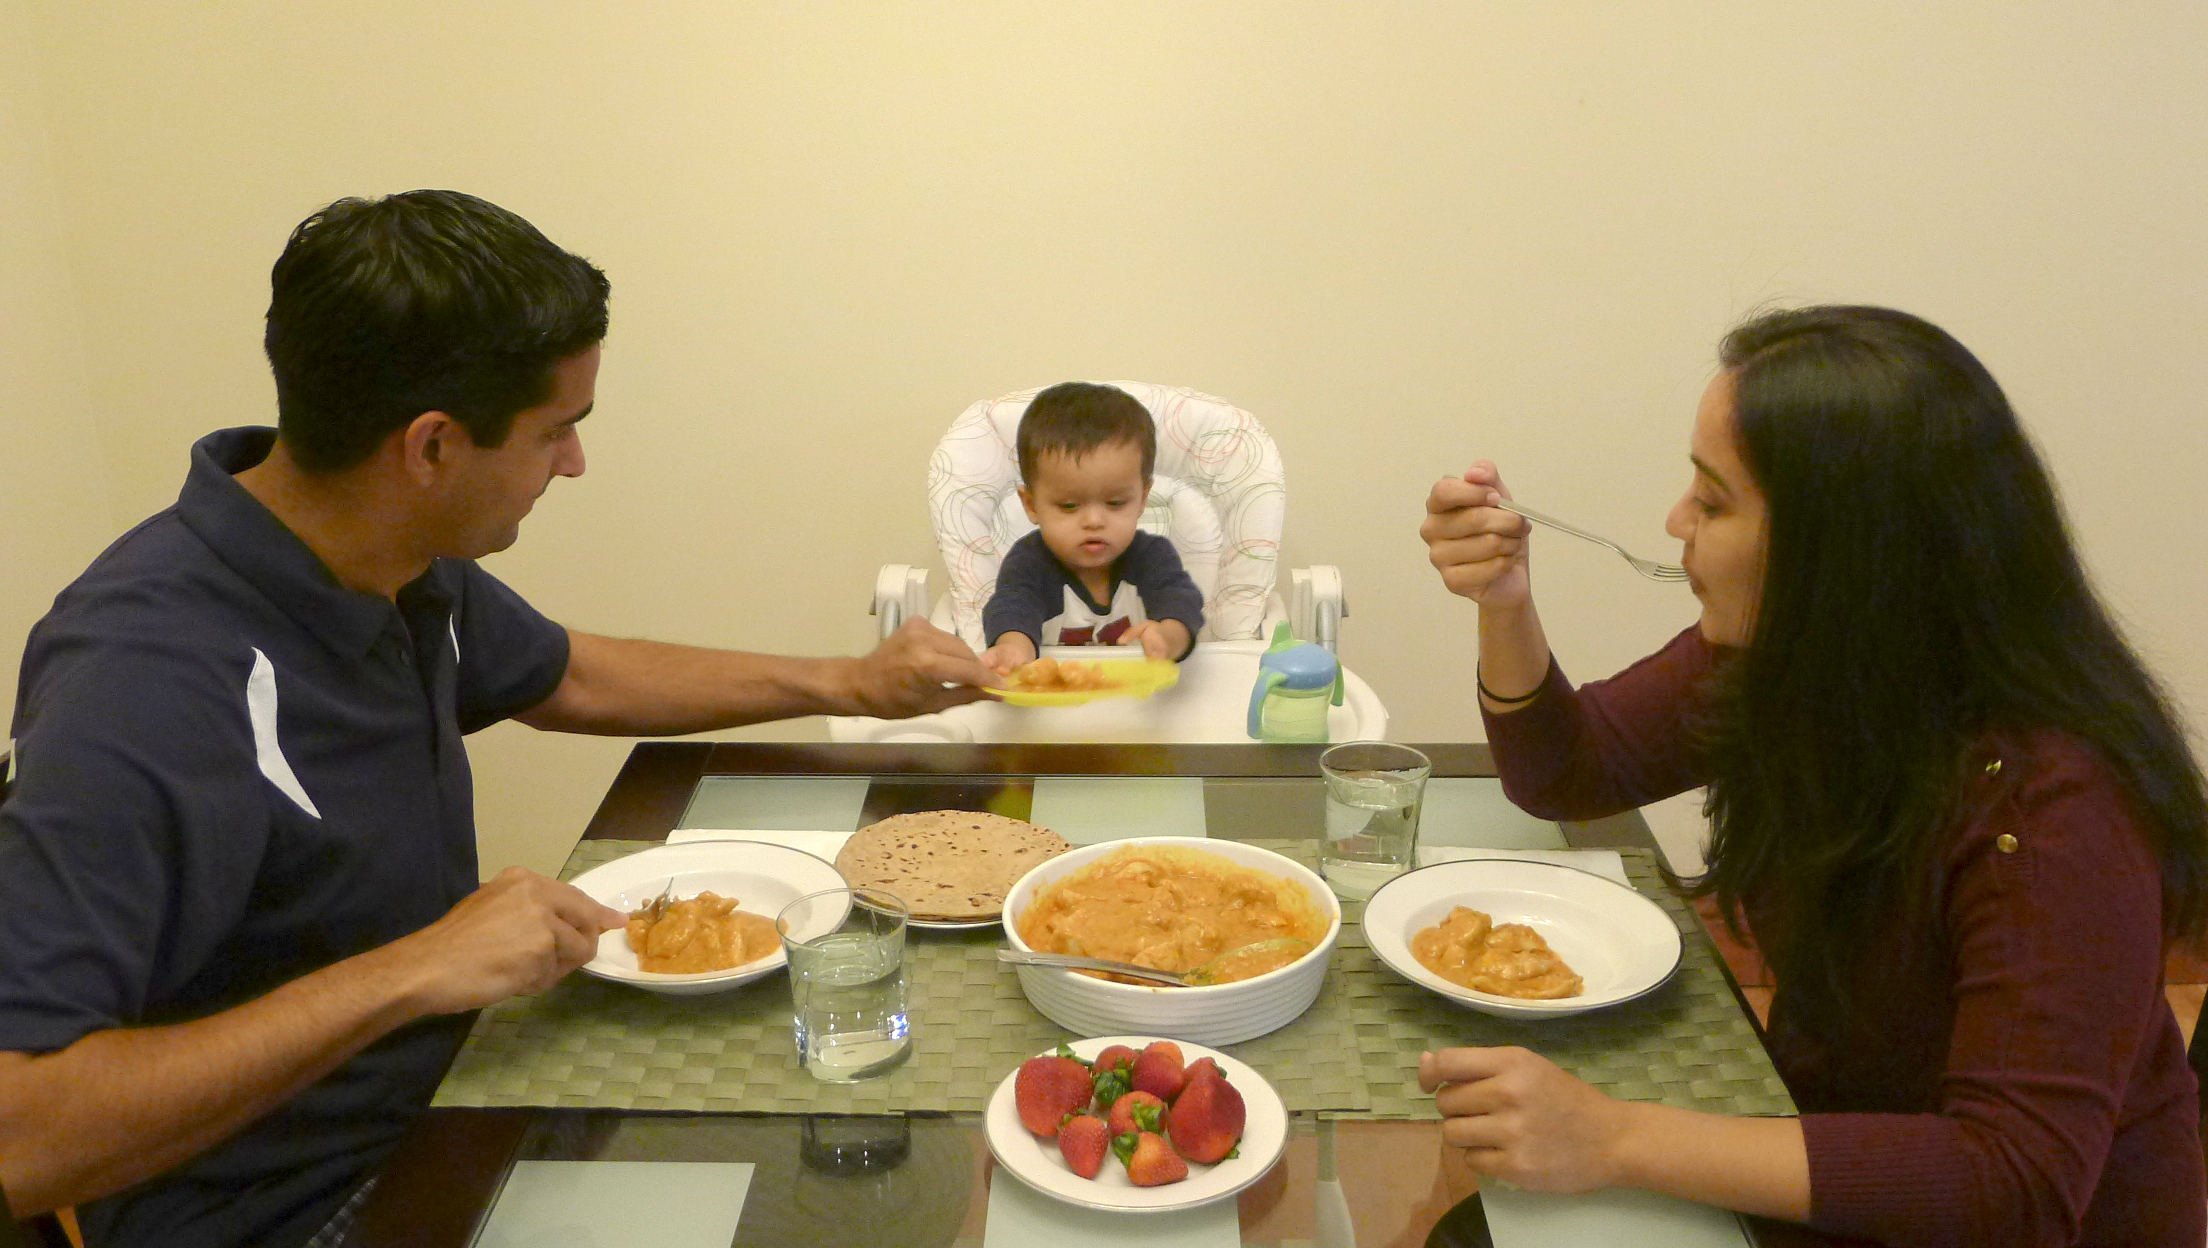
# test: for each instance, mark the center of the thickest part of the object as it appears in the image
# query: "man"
(240, 929)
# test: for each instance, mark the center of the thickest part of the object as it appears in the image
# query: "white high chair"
(1218, 493)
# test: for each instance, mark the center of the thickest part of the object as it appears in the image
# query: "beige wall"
(54, 514)
(1404, 235)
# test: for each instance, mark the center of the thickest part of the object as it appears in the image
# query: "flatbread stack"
(948, 865)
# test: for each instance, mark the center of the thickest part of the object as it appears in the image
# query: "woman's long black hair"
(1920, 594)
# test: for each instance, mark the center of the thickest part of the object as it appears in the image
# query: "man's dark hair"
(427, 301)
(1075, 417)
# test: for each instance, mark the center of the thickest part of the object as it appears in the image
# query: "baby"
(1086, 576)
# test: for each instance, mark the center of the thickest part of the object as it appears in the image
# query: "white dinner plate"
(1621, 943)
(762, 878)
(1036, 1161)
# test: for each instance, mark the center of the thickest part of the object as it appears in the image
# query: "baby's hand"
(1012, 650)
(1161, 639)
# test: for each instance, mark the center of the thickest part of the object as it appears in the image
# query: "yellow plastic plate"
(1130, 678)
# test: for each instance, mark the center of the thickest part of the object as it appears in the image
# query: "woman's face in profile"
(1720, 521)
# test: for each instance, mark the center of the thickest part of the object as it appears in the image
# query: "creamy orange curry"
(702, 933)
(1512, 960)
(1172, 909)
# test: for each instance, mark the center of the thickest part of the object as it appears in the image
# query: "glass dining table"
(1373, 1171)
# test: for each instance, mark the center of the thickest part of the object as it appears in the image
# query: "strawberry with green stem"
(1083, 1140)
(1150, 1161)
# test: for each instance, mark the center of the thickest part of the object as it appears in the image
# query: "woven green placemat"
(1688, 1044)
(1353, 1054)
(590, 1044)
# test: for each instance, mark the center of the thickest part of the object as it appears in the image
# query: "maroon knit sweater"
(2028, 1083)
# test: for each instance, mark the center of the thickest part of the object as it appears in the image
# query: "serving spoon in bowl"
(1203, 976)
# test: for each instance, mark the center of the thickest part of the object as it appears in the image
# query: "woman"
(1956, 813)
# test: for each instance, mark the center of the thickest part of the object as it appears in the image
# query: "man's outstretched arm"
(122, 1105)
(619, 687)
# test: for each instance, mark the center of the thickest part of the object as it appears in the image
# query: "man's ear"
(427, 444)
(1027, 500)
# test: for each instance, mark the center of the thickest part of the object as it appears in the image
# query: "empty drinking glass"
(1372, 798)
(847, 981)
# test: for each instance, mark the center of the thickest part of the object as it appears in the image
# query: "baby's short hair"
(1075, 417)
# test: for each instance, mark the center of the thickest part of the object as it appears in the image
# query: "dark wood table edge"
(653, 787)
(440, 1183)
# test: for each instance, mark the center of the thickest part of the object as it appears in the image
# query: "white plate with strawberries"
(1164, 1143)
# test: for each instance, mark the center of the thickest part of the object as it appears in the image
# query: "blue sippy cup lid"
(1303, 665)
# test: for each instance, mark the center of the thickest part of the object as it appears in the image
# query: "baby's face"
(1087, 507)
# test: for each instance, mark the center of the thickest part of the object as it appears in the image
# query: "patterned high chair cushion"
(1218, 493)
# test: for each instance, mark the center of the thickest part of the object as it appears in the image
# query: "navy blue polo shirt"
(231, 771)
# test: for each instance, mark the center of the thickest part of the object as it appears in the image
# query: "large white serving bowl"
(762, 878)
(1622, 944)
(1215, 1015)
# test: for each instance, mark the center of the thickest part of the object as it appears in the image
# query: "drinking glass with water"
(847, 981)
(1373, 790)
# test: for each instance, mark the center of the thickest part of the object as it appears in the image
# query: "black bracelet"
(1499, 699)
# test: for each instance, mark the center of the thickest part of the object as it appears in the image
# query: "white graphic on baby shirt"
(1079, 624)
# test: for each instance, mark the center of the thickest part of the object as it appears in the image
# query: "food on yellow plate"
(1512, 960)
(1059, 676)
(698, 934)
(1170, 908)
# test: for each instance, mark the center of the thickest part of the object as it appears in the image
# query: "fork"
(1646, 567)
(657, 906)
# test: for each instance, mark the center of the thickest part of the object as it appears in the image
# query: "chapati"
(947, 864)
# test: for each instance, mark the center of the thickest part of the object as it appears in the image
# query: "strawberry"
(1115, 1072)
(1137, 1111)
(1150, 1161)
(1207, 1120)
(1158, 1070)
(1202, 1068)
(1049, 1088)
(1114, 1057)
(1083, 1141)
(1110, 1086)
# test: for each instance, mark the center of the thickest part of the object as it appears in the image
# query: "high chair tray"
(1126, 678)
(1209, 702)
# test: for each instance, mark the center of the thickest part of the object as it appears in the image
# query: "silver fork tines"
(1646, 567)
